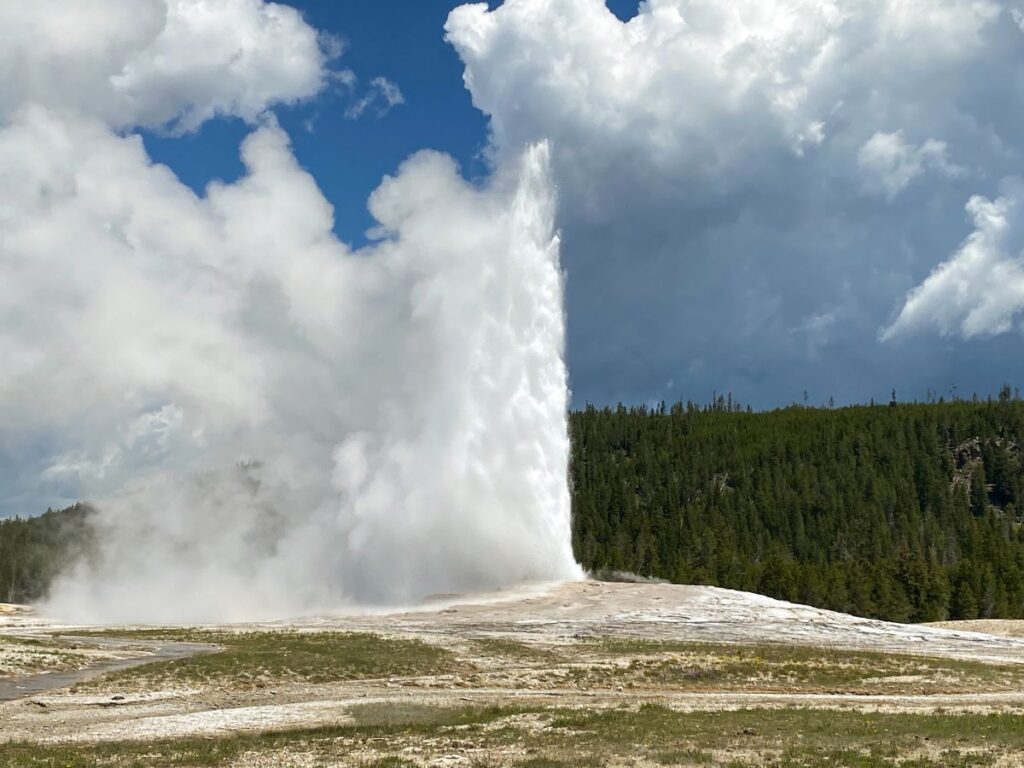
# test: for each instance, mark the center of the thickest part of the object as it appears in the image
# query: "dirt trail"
(1000, 627)
(102, 656)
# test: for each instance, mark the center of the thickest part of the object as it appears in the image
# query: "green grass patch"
(257, 659)
(21, 641)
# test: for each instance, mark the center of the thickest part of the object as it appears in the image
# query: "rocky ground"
(509, 678)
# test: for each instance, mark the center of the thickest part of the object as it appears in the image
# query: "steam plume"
(418, 448)
(268, 421)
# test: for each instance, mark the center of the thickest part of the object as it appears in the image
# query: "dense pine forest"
(32, 551)
(903, 512)
(909, 512)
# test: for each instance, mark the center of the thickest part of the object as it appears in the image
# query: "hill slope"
(907, 513)
(32, 551)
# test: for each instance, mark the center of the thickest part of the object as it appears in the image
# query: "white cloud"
(817, 323)
(153, 63)
(382, 96)
(711, 93)
(979, 291)
(712, 158)
(890, 164)
(688, 76)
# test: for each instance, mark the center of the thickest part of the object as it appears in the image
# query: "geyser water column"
(464, 486)
(402, 409)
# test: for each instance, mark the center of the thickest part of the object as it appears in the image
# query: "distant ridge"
(905, 512)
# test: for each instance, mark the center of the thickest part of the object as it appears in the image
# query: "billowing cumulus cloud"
(268, 421)
(730, 171)
(155, 63)
(701, 86)
(980, 290)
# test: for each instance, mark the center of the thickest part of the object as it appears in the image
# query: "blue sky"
(401, 40)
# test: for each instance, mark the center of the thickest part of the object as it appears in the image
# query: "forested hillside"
(33, 551)
(904, 512)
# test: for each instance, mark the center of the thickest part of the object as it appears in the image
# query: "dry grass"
(258, 659)
(648, 735)
(998, 627)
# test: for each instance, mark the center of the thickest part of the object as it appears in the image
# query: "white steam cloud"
(269, 421)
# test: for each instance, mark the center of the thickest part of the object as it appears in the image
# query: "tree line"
(34, 550)
(907, 512)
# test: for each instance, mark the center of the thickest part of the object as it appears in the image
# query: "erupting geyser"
(410, 417)
(268, 421)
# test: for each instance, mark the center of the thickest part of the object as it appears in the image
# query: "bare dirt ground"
(1000, 627)
(545, 645)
